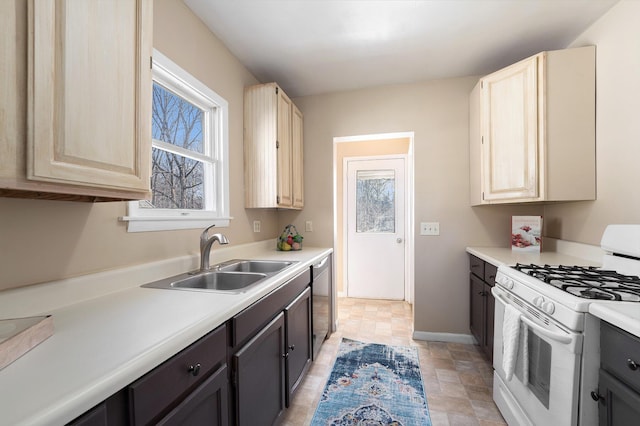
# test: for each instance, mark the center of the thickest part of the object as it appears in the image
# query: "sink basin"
(234, 276)
(225, 281)
(257, 266)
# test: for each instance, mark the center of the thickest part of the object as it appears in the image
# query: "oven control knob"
(548, 307)
(507, 282)
(538, 301)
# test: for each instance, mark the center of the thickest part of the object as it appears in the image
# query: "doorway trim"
(409, 201)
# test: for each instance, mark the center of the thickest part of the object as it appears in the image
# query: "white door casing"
(375, 242)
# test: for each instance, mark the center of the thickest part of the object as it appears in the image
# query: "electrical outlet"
(308, 226)
(256, 226)
(429, 228)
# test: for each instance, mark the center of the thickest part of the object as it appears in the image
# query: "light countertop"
(505, 256)
(111, 335)
(625, 315)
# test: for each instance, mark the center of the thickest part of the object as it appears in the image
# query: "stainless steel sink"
(258, 266)
(224, 281)
(234, 276)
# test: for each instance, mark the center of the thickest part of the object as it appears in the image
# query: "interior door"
(375, 228)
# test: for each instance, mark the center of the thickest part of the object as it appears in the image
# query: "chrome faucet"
(205, 247)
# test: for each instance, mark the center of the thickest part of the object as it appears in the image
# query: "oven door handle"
(558, 337)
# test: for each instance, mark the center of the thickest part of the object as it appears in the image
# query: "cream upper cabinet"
(272, 149)
(532, 130)
(297, 159)
(81, 126)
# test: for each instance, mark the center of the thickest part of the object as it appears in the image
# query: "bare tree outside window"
(375, 201)
(177, 180)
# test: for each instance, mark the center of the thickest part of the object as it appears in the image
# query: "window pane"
(375, 201)
(176, 181)
(176, 121)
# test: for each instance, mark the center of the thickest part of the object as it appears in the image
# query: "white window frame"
(215, 131)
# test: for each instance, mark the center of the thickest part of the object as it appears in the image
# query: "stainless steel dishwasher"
(323, 300)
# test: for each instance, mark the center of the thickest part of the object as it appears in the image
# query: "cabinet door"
(297, 171)
(490, 316)
(298, 324)
(260, 376)
(510, 132)
(620, 405)
(89, 93)
(207, 405)
(477, 309)
(284, 150)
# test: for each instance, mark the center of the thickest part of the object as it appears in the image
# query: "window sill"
(149, 224)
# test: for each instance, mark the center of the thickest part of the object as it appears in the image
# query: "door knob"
(398, 240)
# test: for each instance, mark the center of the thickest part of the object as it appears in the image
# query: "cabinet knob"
(632, 364)
(194, 369)
(292, 347)
(596, 396)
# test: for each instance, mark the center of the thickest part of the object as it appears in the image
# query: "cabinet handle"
(492, 277)
(632, 364)
(596, 396)
(285, 355)
(292, 347)
(194, 369)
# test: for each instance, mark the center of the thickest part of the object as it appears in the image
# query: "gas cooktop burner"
(586, 282)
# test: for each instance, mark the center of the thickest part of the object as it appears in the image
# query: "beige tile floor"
(457, 378)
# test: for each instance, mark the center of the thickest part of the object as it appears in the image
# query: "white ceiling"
(319, 46)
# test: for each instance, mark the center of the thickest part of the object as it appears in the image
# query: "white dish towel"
(510, 340)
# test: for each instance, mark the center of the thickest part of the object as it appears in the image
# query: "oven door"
(544, 389)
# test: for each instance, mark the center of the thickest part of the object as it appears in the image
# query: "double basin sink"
(234, 276)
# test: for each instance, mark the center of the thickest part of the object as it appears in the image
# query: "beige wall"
(47, 240)
(617, 39)
(438, 113)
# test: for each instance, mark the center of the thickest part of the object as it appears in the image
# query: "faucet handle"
(205, 235)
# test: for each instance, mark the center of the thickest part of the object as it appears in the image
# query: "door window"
(375, 201)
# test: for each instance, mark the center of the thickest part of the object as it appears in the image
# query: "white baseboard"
(444, 337)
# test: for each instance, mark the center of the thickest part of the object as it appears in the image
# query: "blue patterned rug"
(373, 384)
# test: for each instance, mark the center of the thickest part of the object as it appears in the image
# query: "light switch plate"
(256, 226)
(429, 228)
(308, 226)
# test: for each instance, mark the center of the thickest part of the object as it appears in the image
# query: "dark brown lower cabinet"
(482, 303)
(169, 386)
(619, 379)
(207, 405)
(620, 405)
(298, 354)
(259, 368)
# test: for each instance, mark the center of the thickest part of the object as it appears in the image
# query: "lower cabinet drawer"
(160, 390)
(476, 266)
(620, 354)
(490, 272)
(207, 405)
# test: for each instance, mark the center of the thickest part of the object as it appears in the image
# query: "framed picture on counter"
(526, 233)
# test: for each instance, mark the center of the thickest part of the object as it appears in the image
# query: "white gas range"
(546, 345)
